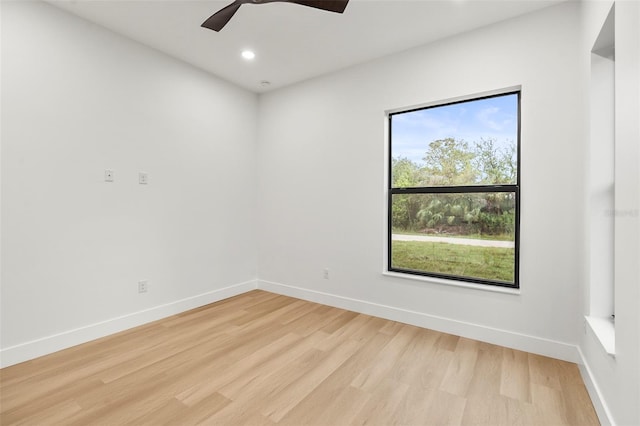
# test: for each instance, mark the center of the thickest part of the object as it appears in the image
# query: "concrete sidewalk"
(450, 240)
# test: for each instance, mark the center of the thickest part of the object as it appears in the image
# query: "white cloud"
(486, 117)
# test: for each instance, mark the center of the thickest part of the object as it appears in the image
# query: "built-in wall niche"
(602, 186)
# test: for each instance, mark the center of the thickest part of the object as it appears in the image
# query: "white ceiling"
(292, 42)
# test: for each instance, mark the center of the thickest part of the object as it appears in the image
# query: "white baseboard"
(601, 407)
(510, 339)
(35, 348)
(47, 345)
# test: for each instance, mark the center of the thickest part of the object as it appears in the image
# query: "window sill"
(432, 280)
(605, 331)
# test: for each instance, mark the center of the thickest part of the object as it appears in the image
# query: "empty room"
(283, 212)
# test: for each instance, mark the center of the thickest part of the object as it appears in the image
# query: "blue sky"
(495, 118)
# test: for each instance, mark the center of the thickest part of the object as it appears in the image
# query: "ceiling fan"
(218, 20)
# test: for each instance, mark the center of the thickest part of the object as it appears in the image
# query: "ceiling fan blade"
(218, 20)
(337, 6)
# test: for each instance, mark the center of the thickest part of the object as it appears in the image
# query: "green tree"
(494, 166)
(404, 173)
(450, 162)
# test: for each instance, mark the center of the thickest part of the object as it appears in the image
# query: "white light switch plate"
(143, 178)
(108, 175)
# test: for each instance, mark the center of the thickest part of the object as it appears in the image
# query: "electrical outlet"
(326, 273)
(108, 175)
(143, 178)
(143, 286)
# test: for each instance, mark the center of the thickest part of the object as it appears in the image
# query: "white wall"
(322, 180)
(76, 100)
(614, 381)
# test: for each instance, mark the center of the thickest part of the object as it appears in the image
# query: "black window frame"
(502, 188)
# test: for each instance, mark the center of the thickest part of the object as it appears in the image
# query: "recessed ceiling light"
(248, 54)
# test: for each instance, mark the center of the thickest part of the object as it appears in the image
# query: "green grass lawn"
(487, 263)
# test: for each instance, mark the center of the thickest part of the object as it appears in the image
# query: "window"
(454, 190)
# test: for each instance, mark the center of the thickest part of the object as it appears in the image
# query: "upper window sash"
(439, 146)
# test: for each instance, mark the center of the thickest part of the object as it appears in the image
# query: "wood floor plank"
(415, 357)
(461, 368)
(549, 404)
(433, 369)
(53, 414)
(359, 325)
(486, 411)
(415, 408)
(249, 363)
(341, 408)
(197, 413)
(514, 379)
(276, 374)
(543, 371)
(380, 367)
(285, 400)
(578, 408)
(42, 403)
(342, 319)
(382, 405)
(446, 409)
(265, 359)
(487, 372)
(447, 342)
(170, 409)
(314, 404)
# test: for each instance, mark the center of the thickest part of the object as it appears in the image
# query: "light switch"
(108, 175)
(143, 178)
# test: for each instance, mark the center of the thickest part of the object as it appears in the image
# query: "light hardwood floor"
(266, 359)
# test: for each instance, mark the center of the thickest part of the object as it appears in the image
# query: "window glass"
(466, 143)
(454, 190)
(461, 234)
